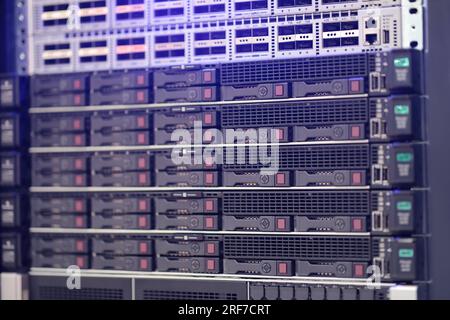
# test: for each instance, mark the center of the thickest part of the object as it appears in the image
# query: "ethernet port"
(371, 39)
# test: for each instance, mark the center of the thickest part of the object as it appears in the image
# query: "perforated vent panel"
(294, 69)
(296, 203)
(308, 158)
(290, 247)
(298, 113)
(61, 293)
(186, 295)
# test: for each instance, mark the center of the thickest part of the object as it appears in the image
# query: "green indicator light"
(406, 253)
(404, 157)
(404, 206)
(402, 62)
(402, 110)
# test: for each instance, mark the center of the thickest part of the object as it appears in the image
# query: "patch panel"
(130, 52)
(45, 287)
(345, 32)
(169, 11)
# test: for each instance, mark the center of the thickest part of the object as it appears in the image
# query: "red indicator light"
(281, 223)
(142, 205)
(78, 140)
(143, 264)
(80, 245)
(210, 264)
(142, 178)
(207, 93)
(211, 248)
(356, 132)
(357, 224)
(209, 178)
(356, 178)
(143, 247)
(358, 270)
(279, 90)
(209, 205)
(142, 221)
(207, 76)
(208, 118)
(80, 262)
(209, 222)
(141, 122)
(280, 178)
(78, 205)
(282, 268)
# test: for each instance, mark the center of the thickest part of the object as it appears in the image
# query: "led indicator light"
(402, 62)
(404, 157)
(401, 110)
(406, 253)
(404, 206)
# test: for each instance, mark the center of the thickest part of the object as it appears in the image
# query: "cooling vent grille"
(307, 158)
(298, 113)
(306, 203)
(290, 247)
(61, 293)
(186, 295)
(294, 69)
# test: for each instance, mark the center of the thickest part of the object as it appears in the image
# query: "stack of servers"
(134, 183)
(14, 179)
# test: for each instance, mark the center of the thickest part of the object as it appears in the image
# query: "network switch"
(164, 288)
(50, 16)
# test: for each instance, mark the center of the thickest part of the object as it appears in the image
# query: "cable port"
(379, 263)
(383, 84)
(377, 221)
(375, 82)
(375, 128)
(379, 174)
(378, 128)
(386, 36)
(376, 174)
